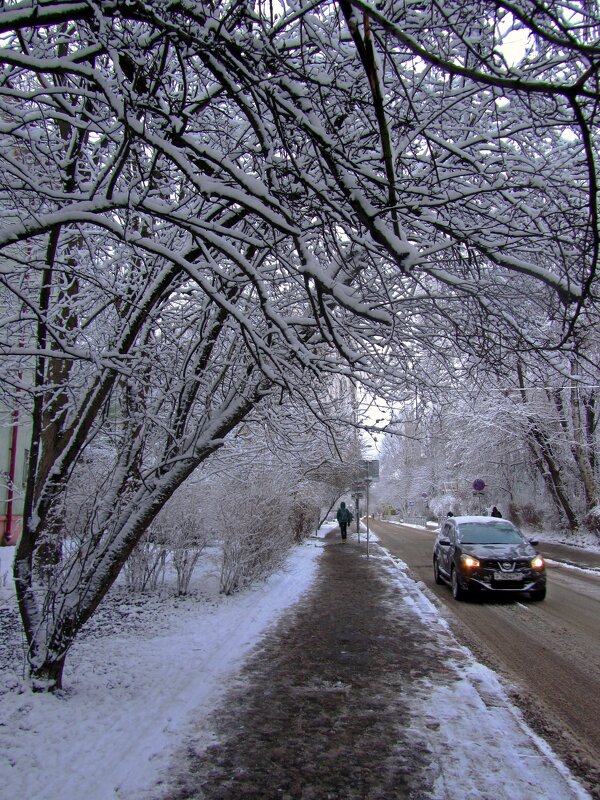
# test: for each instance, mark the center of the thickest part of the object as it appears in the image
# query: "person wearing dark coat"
(495, 513)
(344, 516)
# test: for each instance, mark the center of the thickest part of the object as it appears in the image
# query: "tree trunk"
(581, 445)
(54, 607)
(47, 677)
(546, 461)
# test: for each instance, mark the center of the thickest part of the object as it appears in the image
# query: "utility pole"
(356, 495)
(367, 482)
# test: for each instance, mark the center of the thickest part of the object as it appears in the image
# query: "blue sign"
(478, 485)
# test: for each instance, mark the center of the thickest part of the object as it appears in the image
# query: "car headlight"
(537, 563)
(469, 562)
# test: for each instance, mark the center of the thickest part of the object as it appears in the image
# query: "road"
(548, 652)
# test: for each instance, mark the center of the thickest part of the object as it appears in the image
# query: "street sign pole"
(357, 493)
(368, 530)
(478, 487)
(371, 474)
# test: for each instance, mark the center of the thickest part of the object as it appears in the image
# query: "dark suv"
(487, 554)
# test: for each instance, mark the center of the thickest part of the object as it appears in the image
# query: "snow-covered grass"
(147, 666)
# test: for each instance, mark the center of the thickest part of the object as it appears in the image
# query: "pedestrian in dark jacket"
(344, 516)
(495, 513)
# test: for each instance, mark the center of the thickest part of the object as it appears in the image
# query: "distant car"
(487, 554)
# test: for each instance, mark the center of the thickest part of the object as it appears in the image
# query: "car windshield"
(489, 533)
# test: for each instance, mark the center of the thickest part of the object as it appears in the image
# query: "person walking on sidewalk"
(344, 516)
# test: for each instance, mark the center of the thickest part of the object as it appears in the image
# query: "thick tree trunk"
(47, 677)
(56, 604)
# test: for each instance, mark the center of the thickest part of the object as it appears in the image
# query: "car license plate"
(508, 576)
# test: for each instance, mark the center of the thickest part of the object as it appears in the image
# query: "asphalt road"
(548, 652)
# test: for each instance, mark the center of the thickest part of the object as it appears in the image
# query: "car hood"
(499, 551)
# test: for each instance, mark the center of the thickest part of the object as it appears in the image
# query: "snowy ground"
(583, 539)
(145, 667)
(142, 667)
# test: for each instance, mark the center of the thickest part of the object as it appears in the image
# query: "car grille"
(504, 573)
(505, 565)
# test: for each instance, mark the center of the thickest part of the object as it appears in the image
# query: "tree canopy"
(205, 204)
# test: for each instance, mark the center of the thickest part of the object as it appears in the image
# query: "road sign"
(372, 469)
(478, 485)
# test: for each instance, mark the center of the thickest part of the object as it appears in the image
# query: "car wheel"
(436, 572)
(458, 593)
(539, 594)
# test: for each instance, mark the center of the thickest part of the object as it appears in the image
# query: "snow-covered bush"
(188, 540)
(593, 519)
(256, 532)
(145, 568)
(304, 518)
(526, 514)
(177, 536)
(442, 504)
(5, 564)
(184, 560)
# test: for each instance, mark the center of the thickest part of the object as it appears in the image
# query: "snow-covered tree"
(207, 205)
(529, 429)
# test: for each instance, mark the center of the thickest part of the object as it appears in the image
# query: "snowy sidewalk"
(361, 692)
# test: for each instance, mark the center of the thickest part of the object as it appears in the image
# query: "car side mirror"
(534, 542)
(444, 542)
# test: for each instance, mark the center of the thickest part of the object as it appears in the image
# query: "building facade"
(15, 438)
